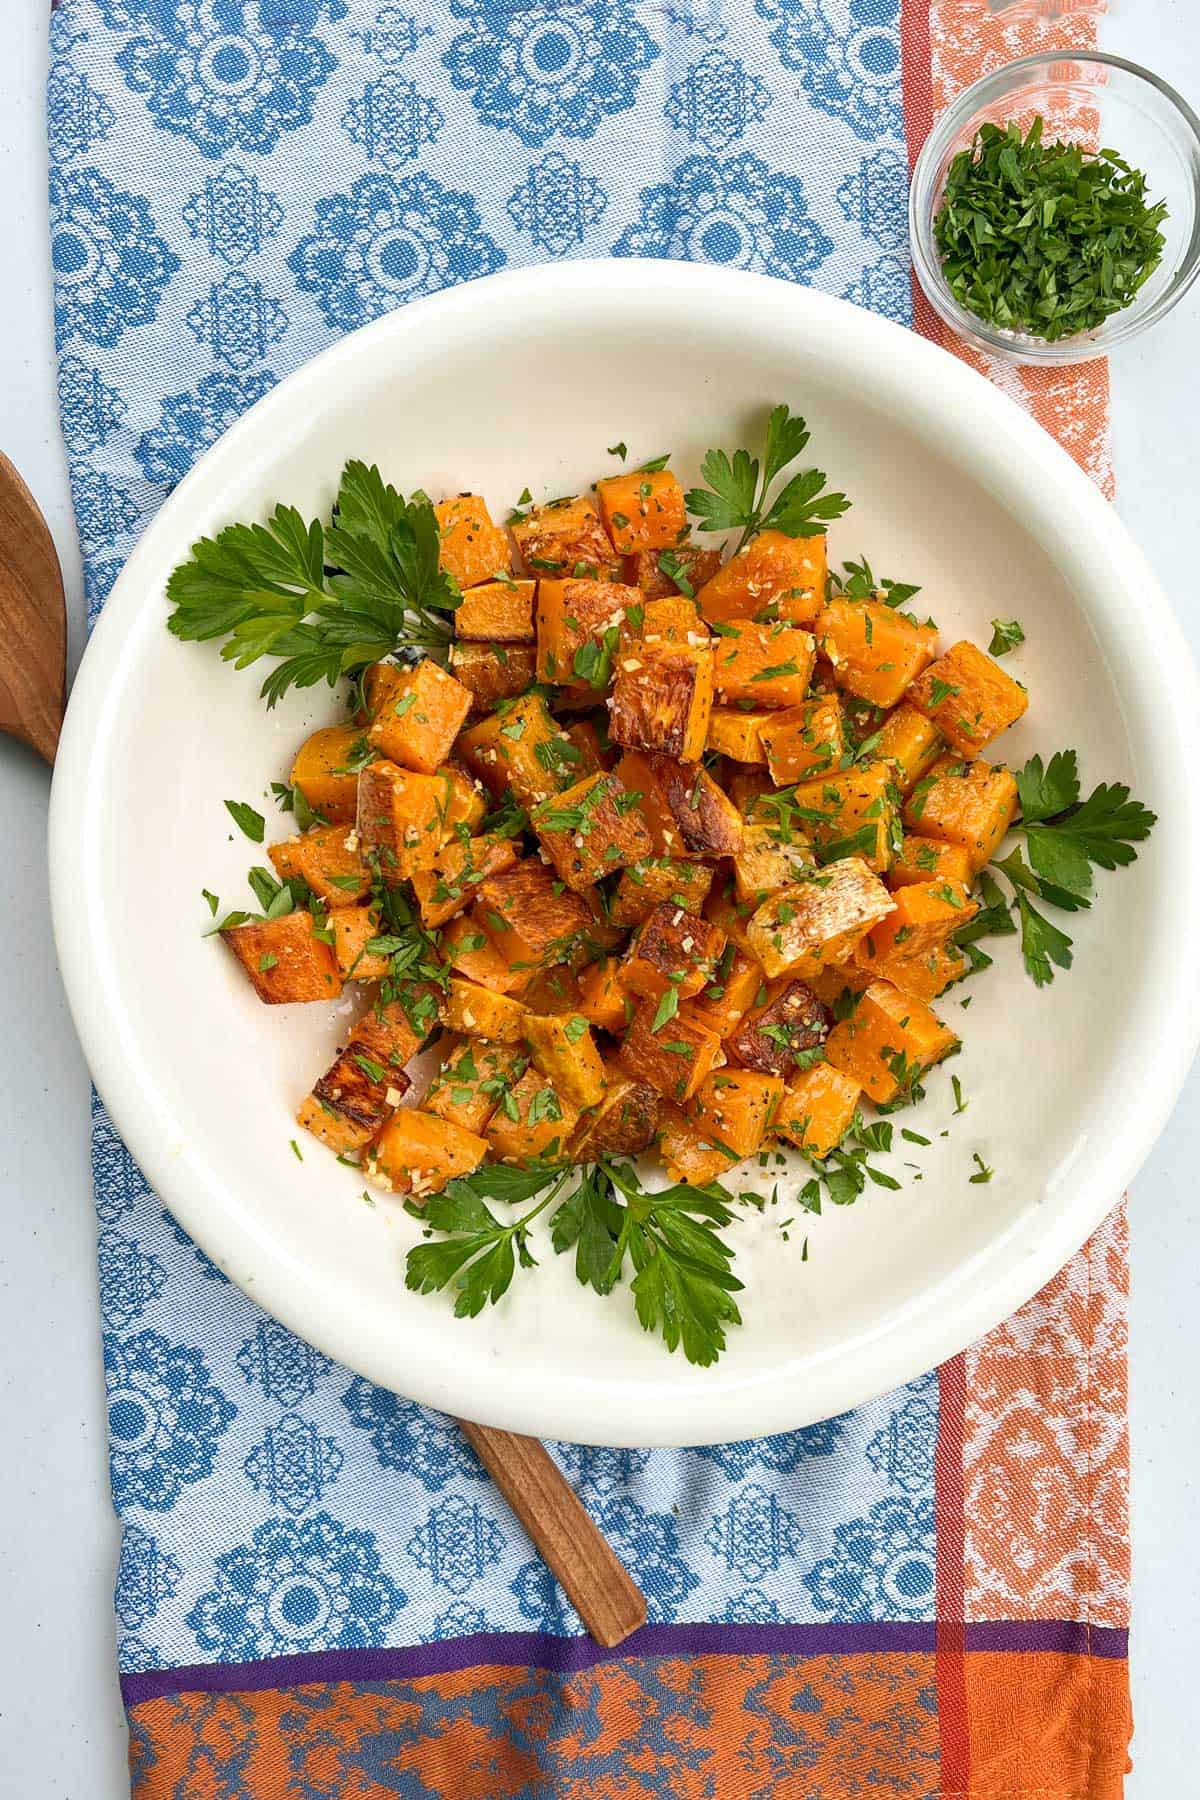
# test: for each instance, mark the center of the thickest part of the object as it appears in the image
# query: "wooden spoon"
(33, 649)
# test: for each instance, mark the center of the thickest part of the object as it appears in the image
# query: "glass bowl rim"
(1019, 347)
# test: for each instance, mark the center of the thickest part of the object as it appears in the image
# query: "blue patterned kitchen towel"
(234, 184)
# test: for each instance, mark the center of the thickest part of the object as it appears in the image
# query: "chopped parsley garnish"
(1007, 634)
(247, 820)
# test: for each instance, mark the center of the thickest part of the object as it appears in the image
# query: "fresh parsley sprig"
(735, 498)
(324, 600)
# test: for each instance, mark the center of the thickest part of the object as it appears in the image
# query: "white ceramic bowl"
(524, 379)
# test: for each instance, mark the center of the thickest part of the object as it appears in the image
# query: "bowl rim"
(988, 1287)
(1024, 347)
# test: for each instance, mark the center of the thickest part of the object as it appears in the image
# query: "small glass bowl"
(1138, 116)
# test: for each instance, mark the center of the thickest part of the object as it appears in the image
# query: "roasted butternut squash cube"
(531, 901)
(971, 805)
(476, 1011)
(888, 1041)
(851, 813)
(624, 1122)
(378, 683)
(591, 830)
(832, 984)
(326, 771)
(554, 989)
(533, 1122)
(493, 672)
(724, 908)
(592, 753)
(469, 946)
(403, 817)
(774, 577)
(705, 819)
(733, 1109)
(654, 880)
(926, 915)
(285, 958)
(817, 1109)
(738, 734)
(334, 871)
(910, 742)
(566, 538)
(687, 568)
(285, 858)
(365, 1083)
(473, 1076)
(674, 1059)
(418, 722)
(604, 1000)
(804, 928)
(642, 510)
(875, 651)
(497, 612)
(662, 698)
(687, 1154)
(926, 975)
(762, 665)
(736, 985)
(453, 882)
(804, 741)
(923, 859)
(673, 949)
(353, 929)
(969, 698)
(417, 1153)
(473, 548)
(746, 787)
(674, 617)
(780, 1031)
(579, 628)
(519, 748)
(564, 1051)
(463, 805)
(771, 856)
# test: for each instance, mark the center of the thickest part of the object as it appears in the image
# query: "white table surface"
(61, 1725)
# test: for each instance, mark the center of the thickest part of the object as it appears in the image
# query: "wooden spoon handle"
(33, 620)
(598, 1586)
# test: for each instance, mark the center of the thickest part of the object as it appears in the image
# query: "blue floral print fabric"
(234, 184)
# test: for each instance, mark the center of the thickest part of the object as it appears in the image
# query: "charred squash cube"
(326, 771)
(473, 1078)
(888, 1041)
(705, 819)
(533, 1122)
(662, 698)
(417, 1153)
(475, 1011)
(804, 928)
(683, 569)
(772, 855)
(804, 741)
(624, 1122)
(763, 665)
(365, 1083)
(781, 1032)
(817, 1109)
(286, 959)
(519, 748)
(653, 881)
(774, 577)
(578, 629)
(851, 814)
(875, 651)
(493, 672)
(497, 612)
(473, 548)
(453, 882)
(418, 722)
(564, 1051)
(910, 742)
(566, 538)
(687, 1154)
(968, 804)
(674, 1059)
(591, 830)
(675, 950)
(733, 1109)
(969, 698)
(643, 510)
(530, 901)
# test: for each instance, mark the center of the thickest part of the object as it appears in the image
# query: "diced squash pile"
(673, 852)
